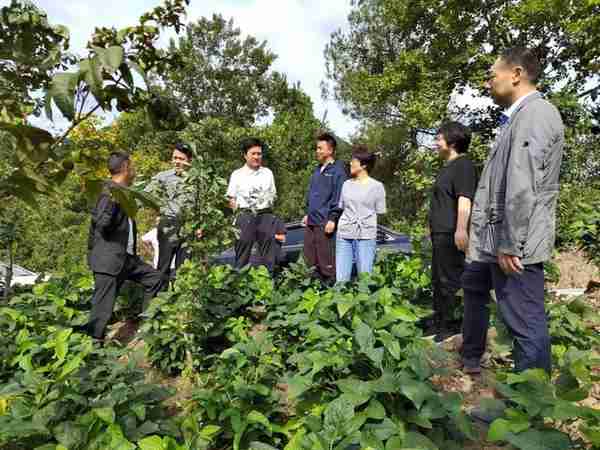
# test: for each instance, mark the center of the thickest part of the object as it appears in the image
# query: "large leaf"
(110, 58)
(151, 443)
(34, 142)
(337, 415)
(540, 440)
(259, 418)
(105, 414)
(62, 91)
(417, 440)
(70, 434)
(91, 72)
(366, 340)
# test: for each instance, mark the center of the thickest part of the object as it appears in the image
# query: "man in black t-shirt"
(449, 214)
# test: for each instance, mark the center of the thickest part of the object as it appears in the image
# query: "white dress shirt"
(511, 110)
(252, 189)
(130, 239)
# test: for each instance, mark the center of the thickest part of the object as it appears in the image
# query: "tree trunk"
(9, 271)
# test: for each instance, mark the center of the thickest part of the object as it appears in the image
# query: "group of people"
(494, 233)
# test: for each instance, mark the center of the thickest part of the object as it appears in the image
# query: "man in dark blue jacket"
(322, 209)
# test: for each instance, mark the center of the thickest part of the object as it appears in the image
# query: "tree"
(222, 75)
(31, 55)
(400, 66)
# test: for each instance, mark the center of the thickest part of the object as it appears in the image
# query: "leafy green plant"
(187, 326)
(535, 407)
(572, 324)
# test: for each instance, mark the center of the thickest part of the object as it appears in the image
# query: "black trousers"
(448, 265)
(319, 252)
(255, 229)
(169, 247)
(520, 301)
(106, 290)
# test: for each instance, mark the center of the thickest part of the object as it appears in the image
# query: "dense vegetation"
(278, 363)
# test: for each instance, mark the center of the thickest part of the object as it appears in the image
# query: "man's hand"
(280, 237)
(199, 233)
(305, 221)
(330, 227)
(461, 239)
(510, 264)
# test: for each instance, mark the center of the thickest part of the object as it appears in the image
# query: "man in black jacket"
(112, 250)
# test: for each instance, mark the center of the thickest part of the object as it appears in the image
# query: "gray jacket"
(514, 210)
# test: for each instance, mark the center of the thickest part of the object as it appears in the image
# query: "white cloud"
(296, 30)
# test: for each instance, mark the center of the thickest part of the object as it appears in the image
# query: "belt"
(257, 211)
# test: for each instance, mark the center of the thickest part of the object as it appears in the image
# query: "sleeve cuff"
(510, 249)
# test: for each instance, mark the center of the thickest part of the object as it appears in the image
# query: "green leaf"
(393, 443)
(72, 365)
(210, 431)
(416, 440)
(62, 91)
(91, 72)
(375, 410)
(62, 343)
(34, 142)
(370, 441)
(258, 417)
(255, 445)
(110, 58)
(366, 341)
(592, 433)
(151, 443)
(416, 391)
(105, 414)
(337, 414)
(390, 343)
(298, 385)
(540, 440)
(498, 430)
(296, 442)
(70, 434)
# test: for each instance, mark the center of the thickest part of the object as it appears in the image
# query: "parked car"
(387, 241)
(20, 277)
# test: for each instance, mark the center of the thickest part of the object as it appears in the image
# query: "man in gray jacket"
(513, 217)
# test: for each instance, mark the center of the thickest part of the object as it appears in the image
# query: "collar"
(511, 110)
(249, 171)
(322, 167)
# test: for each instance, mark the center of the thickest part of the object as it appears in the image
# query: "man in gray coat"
(513, 217)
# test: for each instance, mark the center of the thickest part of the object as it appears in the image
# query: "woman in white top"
(362, 198)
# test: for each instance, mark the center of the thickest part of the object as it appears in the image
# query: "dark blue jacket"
(324, 192)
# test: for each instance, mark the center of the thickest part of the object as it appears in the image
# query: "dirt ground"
(575, 270)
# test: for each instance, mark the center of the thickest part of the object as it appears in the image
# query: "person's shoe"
(442, 335)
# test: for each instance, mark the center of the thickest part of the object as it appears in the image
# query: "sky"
(296, 30)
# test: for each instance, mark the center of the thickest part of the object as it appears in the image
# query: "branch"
(76, 122)
(589, 91)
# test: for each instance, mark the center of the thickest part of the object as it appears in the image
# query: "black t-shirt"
(457, 178)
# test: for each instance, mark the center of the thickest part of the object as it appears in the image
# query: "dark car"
(292, 249)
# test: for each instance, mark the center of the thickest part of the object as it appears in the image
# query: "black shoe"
(442, 335)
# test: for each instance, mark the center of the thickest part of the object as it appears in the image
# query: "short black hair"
(184, 148)
(524, 57)
(456, 134)
(364, 156)
(115, 162)
(248, 143)
(329, 138)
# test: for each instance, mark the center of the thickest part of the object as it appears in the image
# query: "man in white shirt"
(252, 192)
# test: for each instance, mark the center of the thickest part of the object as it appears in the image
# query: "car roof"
(18, 271)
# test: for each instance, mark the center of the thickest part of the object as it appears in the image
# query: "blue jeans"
(349, 251)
